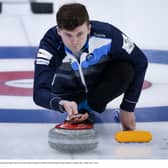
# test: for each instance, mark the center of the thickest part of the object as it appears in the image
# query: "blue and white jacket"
(59, 75)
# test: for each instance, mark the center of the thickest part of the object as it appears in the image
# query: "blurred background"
(24, 22)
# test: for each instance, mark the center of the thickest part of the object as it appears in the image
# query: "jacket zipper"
(82, 58)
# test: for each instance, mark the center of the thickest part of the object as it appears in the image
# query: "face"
(75, 39)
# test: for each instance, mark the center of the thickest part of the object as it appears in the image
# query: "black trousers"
(115, 80)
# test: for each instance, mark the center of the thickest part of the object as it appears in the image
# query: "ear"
(58, 30)
(89, 28)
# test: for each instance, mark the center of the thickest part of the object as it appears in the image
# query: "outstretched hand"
(69, 106)
(72, 109)
(127, 120)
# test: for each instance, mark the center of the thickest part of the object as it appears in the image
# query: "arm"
(131, 96)
(43, 77)
(47, 61)
(125, 50)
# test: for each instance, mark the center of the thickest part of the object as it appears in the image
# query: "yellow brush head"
(133, 136)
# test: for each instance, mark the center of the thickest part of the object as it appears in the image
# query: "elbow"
(146, 62)
(36, 98)
(143, 64)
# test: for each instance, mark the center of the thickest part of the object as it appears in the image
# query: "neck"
(77, 54)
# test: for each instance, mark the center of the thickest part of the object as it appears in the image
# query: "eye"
(68, 35)
(79, 34)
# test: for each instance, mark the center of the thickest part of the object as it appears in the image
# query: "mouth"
(75, 46)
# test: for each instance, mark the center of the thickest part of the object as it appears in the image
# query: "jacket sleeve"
(46, 62)
(124, 49)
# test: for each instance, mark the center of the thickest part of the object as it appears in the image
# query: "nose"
(74, 40)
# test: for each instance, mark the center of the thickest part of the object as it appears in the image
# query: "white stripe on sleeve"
(44, 54)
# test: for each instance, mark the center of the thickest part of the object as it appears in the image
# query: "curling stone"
(73, 137)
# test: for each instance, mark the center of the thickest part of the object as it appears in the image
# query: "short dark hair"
(72, 15)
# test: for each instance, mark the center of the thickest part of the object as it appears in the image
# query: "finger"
(81, 119)
(84, 116)
(74, 120)
(74, 107)
(68, 109)
(75, 116)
